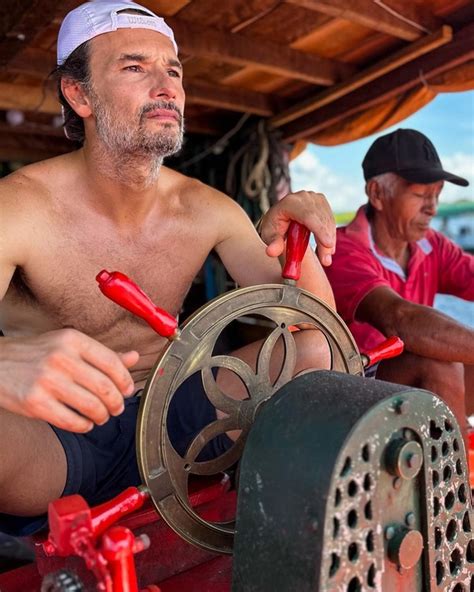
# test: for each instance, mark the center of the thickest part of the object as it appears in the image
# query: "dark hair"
(76, 67)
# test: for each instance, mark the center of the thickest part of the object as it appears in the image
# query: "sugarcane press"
(345, 484)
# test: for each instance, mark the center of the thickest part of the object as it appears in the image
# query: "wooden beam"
(33, 62)
(43, 100)
(21, 22)
(31, 148)
(237, 49)
(459, 51)
(28, 98)
(405, 20)
(392, 62)
(227, 97)
(33, 128)
(205, 125)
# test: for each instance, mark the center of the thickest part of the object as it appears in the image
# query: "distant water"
(461, 310)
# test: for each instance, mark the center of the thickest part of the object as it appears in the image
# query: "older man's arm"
(438, 349)
(425, 331)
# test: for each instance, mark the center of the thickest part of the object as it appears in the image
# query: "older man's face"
(137, 94)
(410, 208)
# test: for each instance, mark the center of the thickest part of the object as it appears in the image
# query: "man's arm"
(63, 377)
(249, 261)
(424, 330)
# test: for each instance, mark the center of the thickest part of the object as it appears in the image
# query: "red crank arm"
(124, 503)
(122, 290)
(296, 244)
(118, 547)
(390, 348)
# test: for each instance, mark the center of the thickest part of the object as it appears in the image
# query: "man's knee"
(312, 349)
(469, 387)
(445, 379)
(422, 372)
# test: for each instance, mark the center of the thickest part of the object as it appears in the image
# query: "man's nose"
(163, 92)
(431, 204)
(162, 89)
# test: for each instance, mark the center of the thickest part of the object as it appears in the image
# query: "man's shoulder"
(191, 188)
(347, 238)
(31, 183)
(18, 190)
(436, 238)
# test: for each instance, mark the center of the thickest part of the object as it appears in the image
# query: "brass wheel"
(166, 472)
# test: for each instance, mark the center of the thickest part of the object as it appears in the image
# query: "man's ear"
(375, 192)
(75, 95)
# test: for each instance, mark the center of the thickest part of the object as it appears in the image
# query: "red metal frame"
(168, 559)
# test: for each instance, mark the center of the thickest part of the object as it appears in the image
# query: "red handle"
(390, 348)
(119, 288)
(296, 244)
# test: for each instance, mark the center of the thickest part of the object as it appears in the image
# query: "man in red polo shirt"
(389, 265)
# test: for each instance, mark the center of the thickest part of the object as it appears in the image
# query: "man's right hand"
(65, 378)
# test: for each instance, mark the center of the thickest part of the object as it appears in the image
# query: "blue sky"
(336, 171)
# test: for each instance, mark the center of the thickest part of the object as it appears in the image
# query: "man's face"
(410, 208)
(136, 92)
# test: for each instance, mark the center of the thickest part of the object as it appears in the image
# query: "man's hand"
(308, 208)
(65, 378)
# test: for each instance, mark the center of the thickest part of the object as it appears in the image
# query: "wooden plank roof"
(303, 64)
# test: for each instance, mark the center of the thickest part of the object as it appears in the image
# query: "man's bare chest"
(58, 282)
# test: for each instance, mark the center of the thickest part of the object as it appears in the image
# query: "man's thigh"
(469, 382)
(33, 466)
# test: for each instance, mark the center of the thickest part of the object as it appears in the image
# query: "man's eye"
(134, 68)
(174, 73)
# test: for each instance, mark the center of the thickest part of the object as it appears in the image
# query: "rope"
(256, 179)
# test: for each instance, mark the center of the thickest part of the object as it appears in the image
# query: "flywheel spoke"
(208, 433)
(217, 397)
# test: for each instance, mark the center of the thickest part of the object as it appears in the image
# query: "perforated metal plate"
(401, 503)
(378, 498)
(166, 472)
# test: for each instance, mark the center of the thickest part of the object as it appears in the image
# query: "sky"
(336, 171)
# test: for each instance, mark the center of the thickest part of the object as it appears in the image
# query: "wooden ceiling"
(303, 64)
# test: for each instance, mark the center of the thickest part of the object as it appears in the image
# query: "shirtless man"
(71, 360)
(390, 265)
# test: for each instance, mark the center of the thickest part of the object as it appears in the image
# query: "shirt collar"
(361, 228)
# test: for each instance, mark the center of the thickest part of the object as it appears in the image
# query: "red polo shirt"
(436, 265)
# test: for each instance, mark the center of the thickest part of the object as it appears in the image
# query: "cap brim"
(431, 176)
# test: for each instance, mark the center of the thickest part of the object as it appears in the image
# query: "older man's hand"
(308, 208)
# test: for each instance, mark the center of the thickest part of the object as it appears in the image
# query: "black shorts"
(103, 462)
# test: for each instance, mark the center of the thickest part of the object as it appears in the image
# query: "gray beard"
(135, 154)
(124, 139)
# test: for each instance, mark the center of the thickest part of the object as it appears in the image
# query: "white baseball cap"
(104, 16)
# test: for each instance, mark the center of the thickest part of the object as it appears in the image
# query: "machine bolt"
(414, 460)
(389, 532)
(404, 458)
(314, 525)
(405, 548)
(410, 519)
(402, 407)
(246, 489)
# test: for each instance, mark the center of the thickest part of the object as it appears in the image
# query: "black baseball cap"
(409, 154)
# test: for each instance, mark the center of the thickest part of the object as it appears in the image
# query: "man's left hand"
(308, 208)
